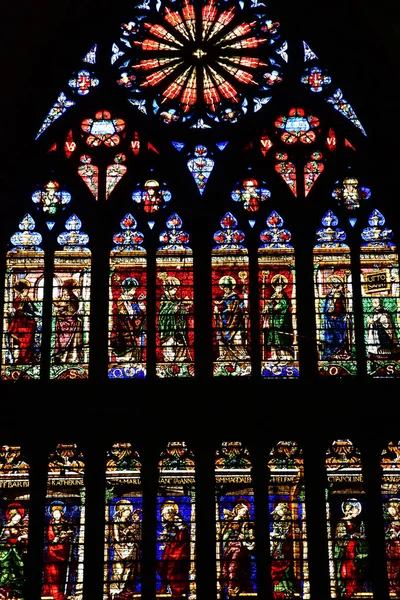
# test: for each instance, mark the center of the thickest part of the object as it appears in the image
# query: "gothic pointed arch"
(64, 533)
(127, 326)
(230, 293)
(123, 522)
(390, 506)
(204, 109)
(214, 198)
(23, 304)
(288, 521)
(176, 523)
(14, 515)
(235, 522)
(334, 300)
(381, 297)
(174, 302)
(69, 353)
(346, 510)
(277, 293)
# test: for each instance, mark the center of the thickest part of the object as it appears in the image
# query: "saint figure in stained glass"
(23, 304)
(390, 490)
(350, 549)
(379, 261)
(64, 530)
(382, 334)
(230, 314)
(127, 306)
(23, 325)
(173, 567)
(60, 533)
(334, 300)
(68, 324)
(128, 324)
(123, 527)
(172, 321)
(350, 563)
(238, 543)
(288, 530)
(392, 537)
(14, 521)
(277, 320)
(236, 569)
(175, 303)
(335, 319)
(13, 545)
(176, 523)
(126, 537)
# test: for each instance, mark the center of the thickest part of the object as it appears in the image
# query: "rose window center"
(199, 53)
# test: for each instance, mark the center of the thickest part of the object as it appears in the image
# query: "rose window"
(208, 64)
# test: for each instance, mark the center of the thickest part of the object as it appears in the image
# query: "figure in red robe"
(22, 326)
(351, 550)
(238, 543)
(281, 551)
(173, 568)
(58, 554)
(392, 536)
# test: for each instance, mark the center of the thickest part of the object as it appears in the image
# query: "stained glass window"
(230, 296)
(346, 508)
(176, 523)
(201, 165)
(114, 173)
(174, 303)
(344, 108)
(69, 357)
(64, 534)
(390, 464)
(127, 305)
(192, 75)
(312, 170)
(14, 521)
(23, 304)
(277, 293)
(123, 530)
(234, 512)
(89, 172)
(287, 170)
(207, 65)
(334, 301)
(350, 194)
(152, 196)
(380, 288)
(297, 126)
(56, 111)
(51, 198)
(103, 130)
(250, 195)
(288, 528)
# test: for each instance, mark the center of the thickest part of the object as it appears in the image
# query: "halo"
(169, 503)
(280, 279)
(151, 183)
(335, 279)
(121, 503)
(56, 504)
(227, 280)
(353, 502)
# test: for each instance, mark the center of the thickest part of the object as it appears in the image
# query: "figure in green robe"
(13, 545)
(277, 322)
(172, 322)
